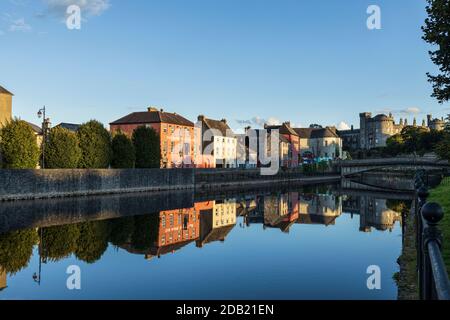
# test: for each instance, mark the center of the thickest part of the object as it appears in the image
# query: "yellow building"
(2, 279)
(5, 106)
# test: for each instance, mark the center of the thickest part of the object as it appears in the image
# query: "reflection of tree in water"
(93, 240)
(59, 242)
(145, 231)
(16, 249)
(87, 240)
(121, 230)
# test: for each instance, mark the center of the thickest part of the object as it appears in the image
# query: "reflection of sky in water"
(312, 261)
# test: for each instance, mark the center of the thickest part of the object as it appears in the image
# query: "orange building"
(177, 135)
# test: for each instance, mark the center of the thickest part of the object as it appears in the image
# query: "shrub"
(18, 146)
(147, 147)
(95, 144)
(123, 154)
(62, 150)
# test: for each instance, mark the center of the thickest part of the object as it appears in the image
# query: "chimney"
(352, 127)
(224, 121)
(152, 109)
(415, 122)
(429, 118)
(401, 121)
(424, 124)
(201, 118)
(288, 123)
(406, 121)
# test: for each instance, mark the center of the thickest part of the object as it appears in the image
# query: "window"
(171, 220)
(163, 221)
(163, 240)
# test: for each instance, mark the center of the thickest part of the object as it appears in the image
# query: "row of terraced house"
(212, 143)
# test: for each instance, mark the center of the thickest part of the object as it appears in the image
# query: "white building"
(218, 143)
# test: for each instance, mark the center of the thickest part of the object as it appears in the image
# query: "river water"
(304, 243)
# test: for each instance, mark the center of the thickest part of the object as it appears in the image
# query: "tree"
(429, 140)
(437, 33)
(62, 150)
(411, 138)
(16, 249)
(394, 145)
(147, 147)
(18, 146)
(442, 149)
(95, 144)
(123, 153)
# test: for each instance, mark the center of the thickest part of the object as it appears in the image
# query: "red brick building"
(289, 133)
(176, 133)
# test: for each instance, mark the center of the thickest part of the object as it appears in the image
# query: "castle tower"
(424, 123)
(5, 106)
(429, 118)
(415, 122)
(364, 119)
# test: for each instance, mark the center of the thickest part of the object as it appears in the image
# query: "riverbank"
(441, 195)
(44, 184)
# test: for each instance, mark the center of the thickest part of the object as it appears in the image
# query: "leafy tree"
(62, 150)
(16, 249)
(95, 144)
(147, 147)
(93, 240)
(437, 33)
(18, 146)
(394, 145)
(59, 242)
(429, 140)
(411, 138)
(442, 149)
(123, 153)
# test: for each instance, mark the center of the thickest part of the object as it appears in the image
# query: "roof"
(284, 128)
(382, 117)
(4, 91)
(69, 126)
(219, 125)
(154, 117)
(218, 234)
(35, 128)
(316, 133)
(348, 132)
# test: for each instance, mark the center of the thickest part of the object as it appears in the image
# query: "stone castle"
(374, 131)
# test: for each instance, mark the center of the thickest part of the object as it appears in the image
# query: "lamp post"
(45, 124)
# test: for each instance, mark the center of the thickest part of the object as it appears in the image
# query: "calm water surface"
(313, 243)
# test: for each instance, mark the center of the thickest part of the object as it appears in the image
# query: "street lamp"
(45, 125)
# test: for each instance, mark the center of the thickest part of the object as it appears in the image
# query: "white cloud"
(409, 111)
(19, 25)
(88, 7)
(343, 126)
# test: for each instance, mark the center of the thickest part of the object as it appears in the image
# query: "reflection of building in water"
(281, 211)
(319, 208)
(217, 221)
(374, 213)
(2, 279)
(175, 229)
(245, 206)
(274, 211)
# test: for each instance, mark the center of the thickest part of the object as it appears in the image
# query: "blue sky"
(303, 61)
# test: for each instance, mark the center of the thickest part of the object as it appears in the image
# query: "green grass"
(441, 195)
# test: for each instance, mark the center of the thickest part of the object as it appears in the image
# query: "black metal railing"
(432, 273)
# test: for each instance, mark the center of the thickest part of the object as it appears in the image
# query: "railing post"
(432, 213)
(422, 195)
